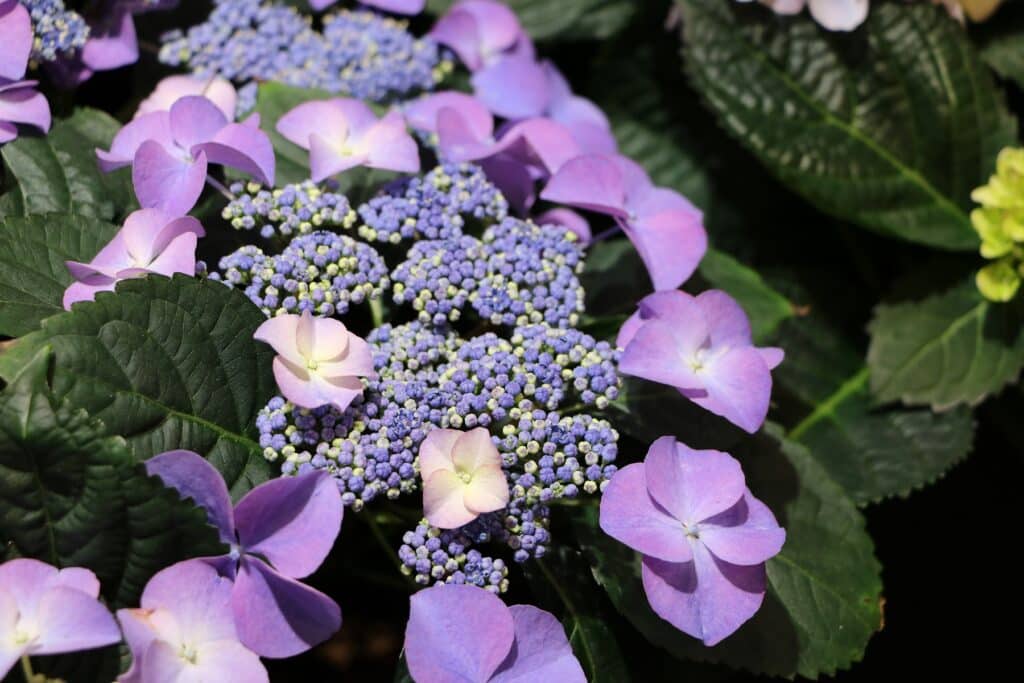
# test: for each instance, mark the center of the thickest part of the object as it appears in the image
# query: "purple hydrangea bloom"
(666, 229)
(703, 536)
(169, 152)
(702, 346)
(468, 634)
(185, 630)
(20, 103)
(46, 611)
(396, 6)
(151, 241)
(59, 33)
(584, 119)
(279, 532)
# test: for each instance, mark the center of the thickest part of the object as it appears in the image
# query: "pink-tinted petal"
(389, 146)
(198, 598)
(166, 182)
(359, 118)
(497, 25)
(25, 105)
(85, 291)
(194, 120)
(444, 503)
(747, 533)
(15, 40)
(513, 87)
(226, 660)
(70, 620)
(513, 178)
(171, 89)
(658, 351)
(727, 320)
(306, 334)
(487, 491)
(291, 521)
(630, 516)
(155, 126)
(320, 116)
(8, 132)
(114, 46)
(458, 30)
(171, 228)
(277, 616)
(569, 219)
(281, 333)
(592, 182)
(457, 634)
(771, 356)
(707, 598)
(26, 579)
(178, 257)
(397, 6)
(296, 384)
(474, 449)
(629, 329)
(540, 142)
(242, 147)
(139, 633)
(79, 579)
(422, 114)
(355, 359)
(193, 477)
(692, 485)
(541, 651)
(436, 452)
(458, 140)
(671, 244)
(839, 15)
(739, 388)
(339, 391)
(326, 159)
(9, 652)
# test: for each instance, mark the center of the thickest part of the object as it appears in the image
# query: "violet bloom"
(20, 103)
(702, 346)
(666, 229)
(185, 630)
(394, 6)
(151, 241)
(319, 362)
(280, 531)
(46, 611)
(584, 119)
(344, 133)
(465, 633)
(568, 219)
(172, 88)
(462, 477)
(169, 152)
(703, 536)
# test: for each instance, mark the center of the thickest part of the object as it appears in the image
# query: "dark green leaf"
(946, 349)
(33, 276)
(168, 364)
(824, 590)
(57, 173)
(890, 127)
(565, 19)
(73, 496)
(1001, 42)
(765, 306)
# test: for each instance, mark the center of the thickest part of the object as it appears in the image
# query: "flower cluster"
(320, 272)
(357, 53)
(20, 103)
(291, 210)
(1000, 224)
(59, 32)
(436, 556)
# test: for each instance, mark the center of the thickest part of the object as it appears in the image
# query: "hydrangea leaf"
(950, 348)
(71, 495)
(57, 173)
(890, 128)
(826, 580)
(872, 452)
(566, 19)
(168, 364)
(33, 276)
(765, 306)
(1001, 43)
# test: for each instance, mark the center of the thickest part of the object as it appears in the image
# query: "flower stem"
(377, 312)
(26, 669)
(219, 186)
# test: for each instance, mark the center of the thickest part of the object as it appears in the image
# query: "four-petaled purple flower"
(395, 6)
(20, 103)
(46, 611)
(584, 119)
(465, 633)
(702, 346)
(169, 152)
(172, 88)
(703, 536)
(344, 133)
(185, 630)
(151, 241)
(280, 531)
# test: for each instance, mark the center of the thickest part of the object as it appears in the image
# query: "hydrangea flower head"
(479, 31)
(46, 611)
(584, 119)
(703, 536)
(462, 477)
(173, 88)
(319, 362)
(344, 133)
(702, 346)
(463, 125)
(185, 630)
(20, 103)
(279, 532)
(1000, 224)
(467, 634)
(151, 241)
(666, 229)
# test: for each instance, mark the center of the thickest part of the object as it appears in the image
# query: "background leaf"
(890, 127)
(565, 19)
(33, 276)
(166, 363)
(823, 600)
(74, 497)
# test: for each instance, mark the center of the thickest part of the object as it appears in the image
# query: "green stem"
(26, 669)
(377, 312)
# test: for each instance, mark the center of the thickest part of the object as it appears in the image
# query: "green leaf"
(274, 101)
(73, 496)
(950, 348)
(57, 173)
(872, 452)
(566, 19)
(890, 127)
(33, 276)
(766, 307)
(168, 364)
(1001, 42)
(824, 590)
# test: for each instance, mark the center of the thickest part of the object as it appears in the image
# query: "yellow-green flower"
(1000, 224)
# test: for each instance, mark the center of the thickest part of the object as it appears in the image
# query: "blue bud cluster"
(434, 556)
(320, 272)
(291, 210)
(434, 207)
(359, 53)
(59, 32)
(518, 274)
